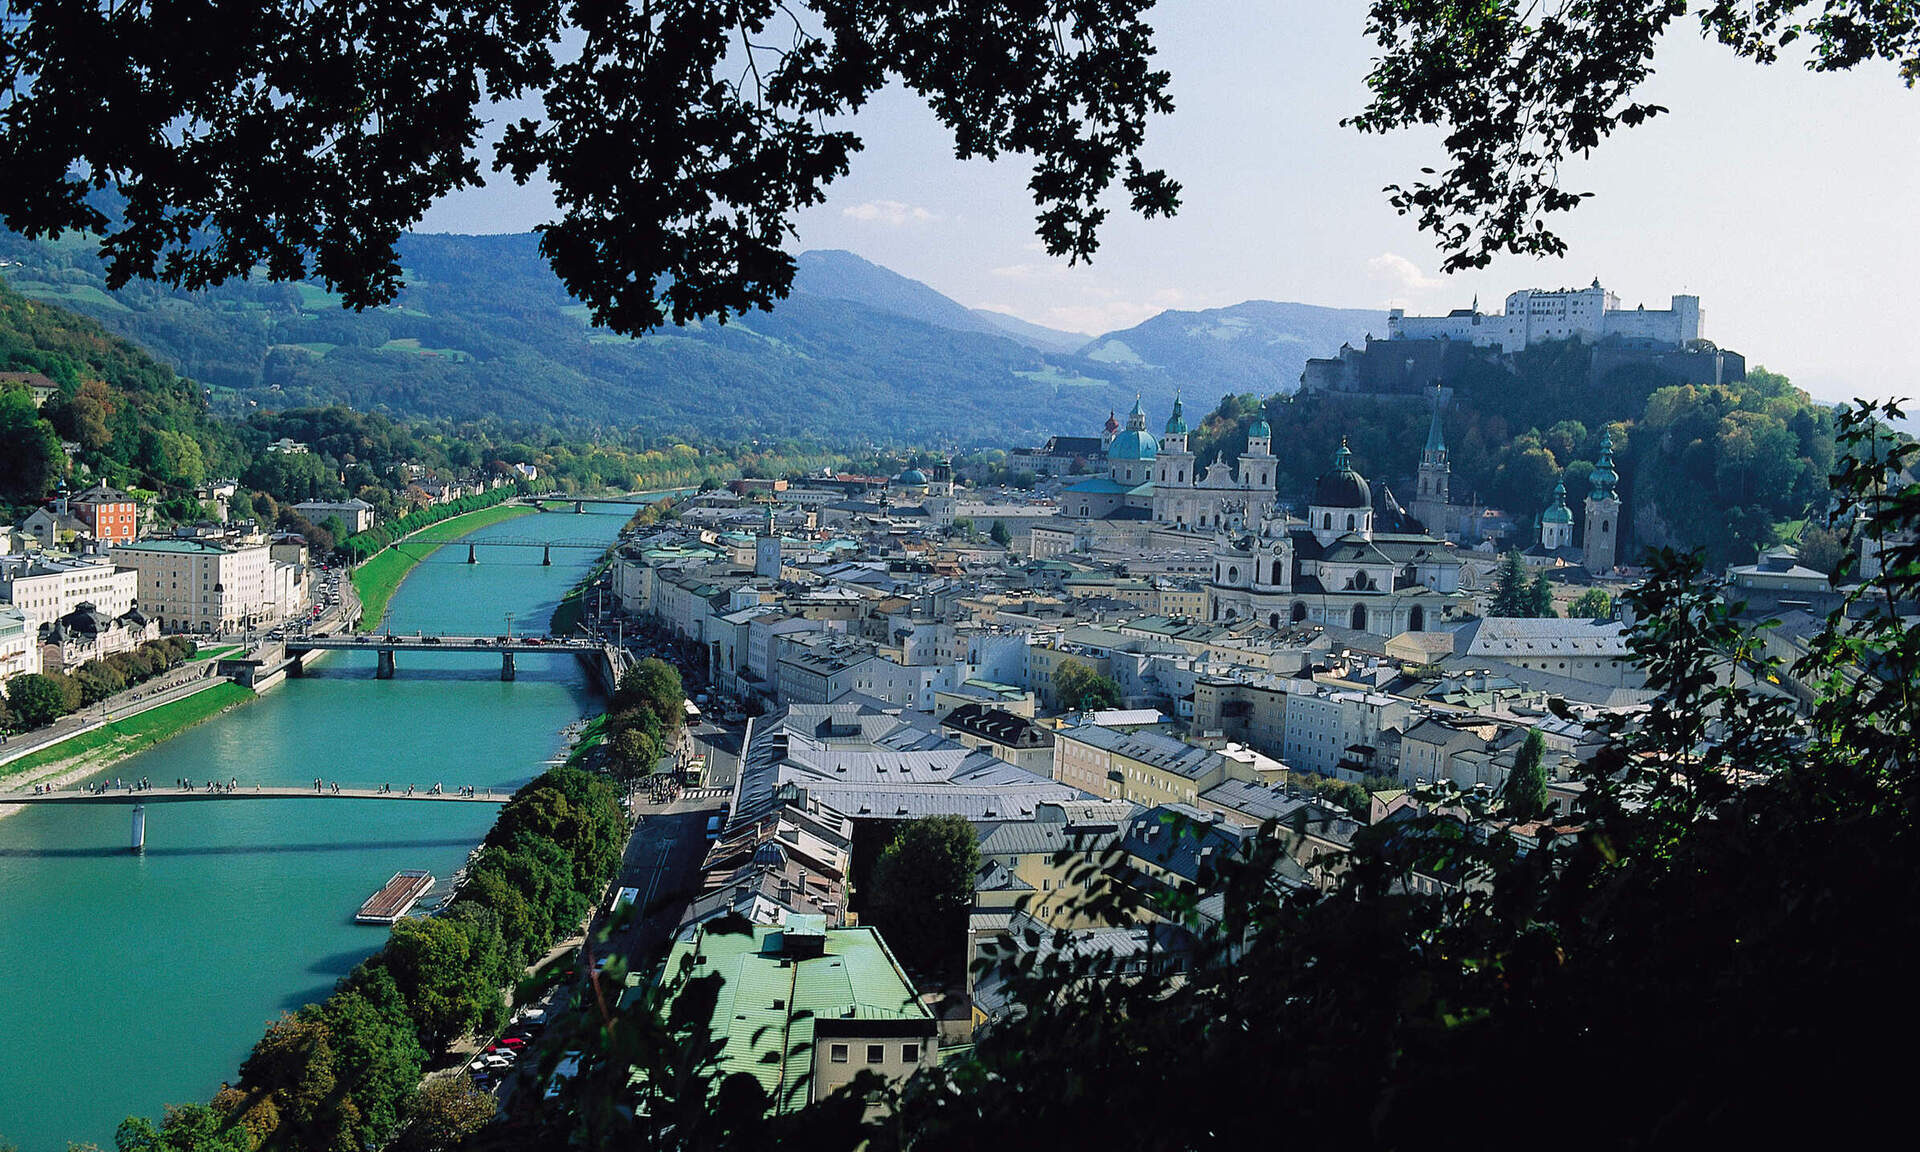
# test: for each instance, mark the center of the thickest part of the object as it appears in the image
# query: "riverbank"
(83, 755)
(376, 580)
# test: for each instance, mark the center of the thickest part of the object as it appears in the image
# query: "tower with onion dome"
(1602, 549)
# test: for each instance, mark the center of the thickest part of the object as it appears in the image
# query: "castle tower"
(1556, 523)
(1431, 495)
(1602, 551)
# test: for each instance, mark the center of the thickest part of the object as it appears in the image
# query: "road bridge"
(386, 646)
(140, 798)
(580, 503)
(473, 556)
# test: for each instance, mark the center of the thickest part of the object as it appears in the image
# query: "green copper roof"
(1558, 514)
(1176, 423)
(770, 999)
(1435, 441)
(1603, 477)
(1260, 428)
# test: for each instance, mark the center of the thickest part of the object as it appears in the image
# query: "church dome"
(1177, 423)
(911, 476)
(1261, 429)
(1134, 444)
(1342, 487)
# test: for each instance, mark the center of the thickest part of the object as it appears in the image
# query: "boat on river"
(396, 899)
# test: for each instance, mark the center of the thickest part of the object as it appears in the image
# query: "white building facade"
(1532, 315)
(46, 589)
(195, 586)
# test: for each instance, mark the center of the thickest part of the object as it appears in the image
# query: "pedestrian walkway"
(178, 684)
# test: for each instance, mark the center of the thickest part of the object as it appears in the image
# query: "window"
(837, 1053)
(876, 1053)
(910, 1053)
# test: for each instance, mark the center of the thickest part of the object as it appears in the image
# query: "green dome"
(1134, 444)
(911, 476)
(1559, 513)
(1261, 429)
(1176, 423)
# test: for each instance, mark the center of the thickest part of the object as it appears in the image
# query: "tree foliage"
(1520, 89)
(921, 889)
(1526, 791)
(342, 1075)
(1078, 688)
(1593, 604)
(447, 1110)
(680, 140)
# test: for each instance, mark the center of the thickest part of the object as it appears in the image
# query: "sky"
(1783, 199)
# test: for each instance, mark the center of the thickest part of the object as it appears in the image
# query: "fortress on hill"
(1590, 314)
(1422, 351)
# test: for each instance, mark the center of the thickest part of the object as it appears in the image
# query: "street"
(663, 863)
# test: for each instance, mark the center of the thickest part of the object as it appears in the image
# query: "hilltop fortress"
(1590, 314)
(1421, 351)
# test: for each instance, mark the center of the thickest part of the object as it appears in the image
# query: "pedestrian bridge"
(195, 795)
(141, 797)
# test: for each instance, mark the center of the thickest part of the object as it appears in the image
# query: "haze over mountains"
(857, 353)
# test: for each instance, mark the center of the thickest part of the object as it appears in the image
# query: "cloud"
(892, 213)
(1402, 273)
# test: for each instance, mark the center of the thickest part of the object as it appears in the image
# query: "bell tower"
(1602, 550)
(1431, 496)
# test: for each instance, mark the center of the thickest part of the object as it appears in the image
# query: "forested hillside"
(860, 353)
(119, 416)
(132, 420)
(1729, 468)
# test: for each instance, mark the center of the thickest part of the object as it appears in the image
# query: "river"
(132, 982)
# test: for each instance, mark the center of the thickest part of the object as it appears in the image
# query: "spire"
(1137, 419)
(1177, 423)
(1604, 477)
(1436, 443)
(1343, 459)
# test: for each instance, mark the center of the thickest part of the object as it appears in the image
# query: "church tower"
(1556, 523)
(1431, 495)
(1603, 512)
(1259, 471)
(1175, 463)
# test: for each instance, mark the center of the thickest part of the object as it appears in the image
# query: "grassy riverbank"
(376, 580)
(96, 749)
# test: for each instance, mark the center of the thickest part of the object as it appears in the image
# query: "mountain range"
(857, 354)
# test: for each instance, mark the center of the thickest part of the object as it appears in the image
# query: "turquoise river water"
(131, 982)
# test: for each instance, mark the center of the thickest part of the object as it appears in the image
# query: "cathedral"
(1156, 480)
(1337, 568)
(1350, 563)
